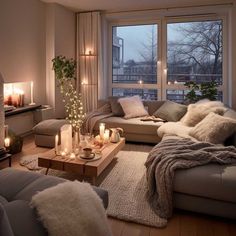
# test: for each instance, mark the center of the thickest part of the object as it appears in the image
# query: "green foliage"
(201, 91)
(65, 70)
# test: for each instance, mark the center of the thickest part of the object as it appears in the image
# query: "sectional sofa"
(209, 189)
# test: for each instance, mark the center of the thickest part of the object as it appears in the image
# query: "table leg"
(47, 171)
(9, 161)
(94, 181)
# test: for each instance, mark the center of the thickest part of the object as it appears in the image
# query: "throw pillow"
(115, 106)
(132, 107)
(214, 129)
(197, 112)
(171, 111)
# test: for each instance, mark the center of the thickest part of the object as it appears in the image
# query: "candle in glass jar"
(102, 130)
(106, 135)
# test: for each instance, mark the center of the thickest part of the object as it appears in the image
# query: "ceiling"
(117, 5)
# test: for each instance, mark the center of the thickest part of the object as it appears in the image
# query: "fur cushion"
(171, 111)
(71, 209)
(214, 129)
(174, 128)
(133, 107)
(197, 112)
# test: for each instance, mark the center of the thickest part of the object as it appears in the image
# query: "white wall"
(22, 43)
(60, 41)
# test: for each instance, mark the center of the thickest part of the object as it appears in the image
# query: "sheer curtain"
(89, 57)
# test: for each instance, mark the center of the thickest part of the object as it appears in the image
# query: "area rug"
(125, 181)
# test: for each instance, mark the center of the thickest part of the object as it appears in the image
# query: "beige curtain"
(89, 57)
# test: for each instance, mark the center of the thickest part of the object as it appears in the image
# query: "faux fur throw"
(174, 128)
(172, 154)
(71, 209)
(93, 117)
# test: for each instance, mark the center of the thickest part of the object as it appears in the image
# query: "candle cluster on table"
(14, 98)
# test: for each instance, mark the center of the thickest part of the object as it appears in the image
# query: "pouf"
(45, 131)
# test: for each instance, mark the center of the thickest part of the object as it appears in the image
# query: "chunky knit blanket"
(93, 117)
(173, 154)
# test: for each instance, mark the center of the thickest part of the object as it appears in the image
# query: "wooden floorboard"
(181, 224)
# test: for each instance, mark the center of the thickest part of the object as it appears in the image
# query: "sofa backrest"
(151, 104)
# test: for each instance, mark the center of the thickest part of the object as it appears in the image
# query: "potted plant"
(65, 70)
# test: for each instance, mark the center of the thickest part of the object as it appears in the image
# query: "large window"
(134, 60)
(152, 68)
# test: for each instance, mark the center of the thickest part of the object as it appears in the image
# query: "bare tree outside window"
(195, 52)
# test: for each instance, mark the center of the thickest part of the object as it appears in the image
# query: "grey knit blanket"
(93, 117)
(171, 155)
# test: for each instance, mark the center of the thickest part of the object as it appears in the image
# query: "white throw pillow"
(197, 112)
(133, 107)
(214, 129)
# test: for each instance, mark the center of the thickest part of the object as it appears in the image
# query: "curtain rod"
(169, 8)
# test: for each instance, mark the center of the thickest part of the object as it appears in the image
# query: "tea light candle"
(63, 154)
(106, 136)
(101, 130)
(7, 142)
(56, 143)
(72, 155)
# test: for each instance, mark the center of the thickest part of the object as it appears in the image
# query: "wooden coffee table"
(84, 168)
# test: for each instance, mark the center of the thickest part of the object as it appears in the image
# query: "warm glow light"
(165, 71)
(169, 83)
(158, 62)
(102, 130)
(140, 81)
(176, 82)
(84, 82)
(7, 142)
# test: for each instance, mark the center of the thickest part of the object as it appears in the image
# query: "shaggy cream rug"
(125, 181)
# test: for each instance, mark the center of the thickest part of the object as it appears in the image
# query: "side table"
(5, 157)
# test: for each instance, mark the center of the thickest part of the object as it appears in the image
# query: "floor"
(181, 224)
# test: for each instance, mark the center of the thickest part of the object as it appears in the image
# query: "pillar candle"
(7, 142)
(101, 130)
(106, 136)
(56, 144)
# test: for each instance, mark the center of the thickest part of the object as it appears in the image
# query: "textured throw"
(93, 117)
(71, 209)
(173, 154)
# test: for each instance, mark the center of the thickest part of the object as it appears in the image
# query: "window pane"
(134, 54)
(179, 95)
(145, 94)
(194, 52)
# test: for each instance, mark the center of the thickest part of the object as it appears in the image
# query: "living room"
(167, 58)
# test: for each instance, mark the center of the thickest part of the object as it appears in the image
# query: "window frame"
(162, 86)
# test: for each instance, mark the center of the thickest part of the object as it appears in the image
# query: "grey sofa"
(16, 190)
(209, 189)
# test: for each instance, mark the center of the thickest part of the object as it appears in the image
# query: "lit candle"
(63, 154)
(56, 144)
(101, 130)
(72, 155)
(32, 93)
(176, 82)
(7, 142)
(106, 136)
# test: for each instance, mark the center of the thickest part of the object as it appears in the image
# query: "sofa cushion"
(171, 111)
(214, 129)
(115, 106)
(133, 107)
(49, 127)
(133, 125)
(12, 181)
(23, 219)
(212, 181)
(197, 112)
(5, 227)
